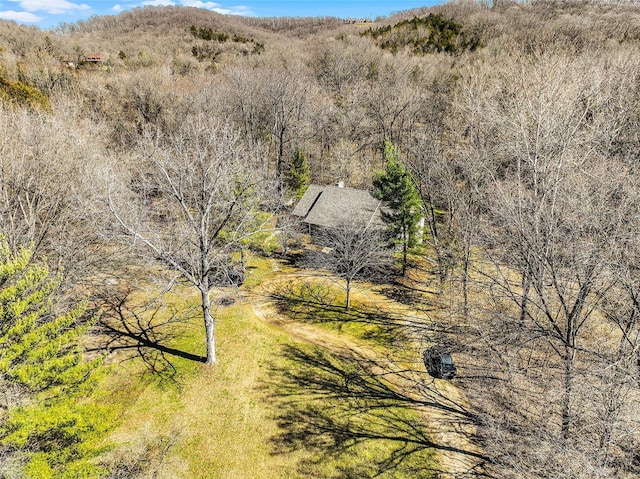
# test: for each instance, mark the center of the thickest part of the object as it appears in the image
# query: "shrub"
(24, 95)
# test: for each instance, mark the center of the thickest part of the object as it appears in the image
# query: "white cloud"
(117, 7)
(216, 7)
(51, 6)
(24, 17)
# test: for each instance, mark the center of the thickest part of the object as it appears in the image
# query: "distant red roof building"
(94, 58)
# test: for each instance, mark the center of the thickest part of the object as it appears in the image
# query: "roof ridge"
(340, 187)
(313, 203)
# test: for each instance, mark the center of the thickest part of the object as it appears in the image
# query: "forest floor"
(442, 405)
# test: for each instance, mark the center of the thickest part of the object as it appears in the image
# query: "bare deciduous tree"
(556, 216)
(44, 183)
(189, 201)
(271, 101)
(356, 252)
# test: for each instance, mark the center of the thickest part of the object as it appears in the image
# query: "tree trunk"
(404, 259)
(566, 394)
(348, 289)
(405, 247)
(435, 241)
(465, 280)
(526, 285)
(280, 163)
(209, 326)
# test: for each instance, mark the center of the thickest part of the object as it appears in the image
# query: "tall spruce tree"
(296, 176)
(403, 208)
(43, 376)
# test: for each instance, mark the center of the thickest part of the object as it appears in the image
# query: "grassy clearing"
(271, 408)
(321, 302)
(350, 422)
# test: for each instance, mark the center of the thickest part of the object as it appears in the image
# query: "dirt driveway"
(442, 404)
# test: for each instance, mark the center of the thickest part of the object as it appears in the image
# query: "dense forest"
(179, 150)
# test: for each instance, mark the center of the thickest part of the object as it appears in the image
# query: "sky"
(49, 13)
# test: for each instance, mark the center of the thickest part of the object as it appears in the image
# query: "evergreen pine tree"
(297, 175)
(43, 375)
(403, 208)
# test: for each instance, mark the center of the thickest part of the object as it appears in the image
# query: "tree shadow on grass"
(143, 330)
(317, 303)
(352, 422)
(404, 295)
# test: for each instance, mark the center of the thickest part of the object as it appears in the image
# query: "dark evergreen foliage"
(208, 34)
(431, 34)
(397, 190)
(296, 177)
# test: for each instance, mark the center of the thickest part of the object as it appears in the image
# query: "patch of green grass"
(209, 417)
(259, 269)
(271, 407)
(321, 303)
(350, 422)
(227, 429)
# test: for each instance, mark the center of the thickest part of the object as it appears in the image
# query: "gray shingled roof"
(331, 206)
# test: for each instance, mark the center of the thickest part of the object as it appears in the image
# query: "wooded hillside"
(172, 155)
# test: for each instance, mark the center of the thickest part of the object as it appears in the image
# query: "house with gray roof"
(334, 206)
